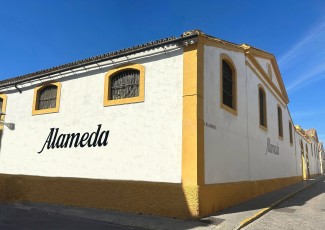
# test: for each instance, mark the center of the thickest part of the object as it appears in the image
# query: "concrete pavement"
(305, 210)
(232, 218)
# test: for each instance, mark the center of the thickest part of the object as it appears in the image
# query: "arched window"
(47, 98)
(290, 132)
(228, 84)
(280, 125)
(262, 107)
(124, 85)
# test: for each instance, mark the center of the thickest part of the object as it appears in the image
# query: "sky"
(36, 35)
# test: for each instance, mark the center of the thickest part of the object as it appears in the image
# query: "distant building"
(178, 127)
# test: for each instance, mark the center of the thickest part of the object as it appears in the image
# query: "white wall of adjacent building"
(145, 139)
(235, 146)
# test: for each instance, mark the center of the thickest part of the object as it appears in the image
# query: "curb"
(263, 211)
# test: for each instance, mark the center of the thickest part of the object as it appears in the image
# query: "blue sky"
(36, 35)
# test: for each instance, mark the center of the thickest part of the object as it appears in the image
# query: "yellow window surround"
(264, 121)
(233, 109)
(36, 111)
(107, 86)
(3, 108)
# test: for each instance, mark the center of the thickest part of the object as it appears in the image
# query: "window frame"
(280, 122)
(3, 108)
(107, 86)
(290, 133)
(263, 127)
(228, 60)
(37, 90)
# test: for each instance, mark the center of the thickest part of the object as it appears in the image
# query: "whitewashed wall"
(226, 146)
(145, 140)
(265, 165)
(236, 149)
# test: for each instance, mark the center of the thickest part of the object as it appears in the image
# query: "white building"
(178, 127)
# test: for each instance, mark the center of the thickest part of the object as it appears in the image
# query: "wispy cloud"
(304, 62)
(314, 74)
(316, 32)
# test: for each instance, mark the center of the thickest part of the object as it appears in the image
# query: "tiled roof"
(99, 58)
(109, 56)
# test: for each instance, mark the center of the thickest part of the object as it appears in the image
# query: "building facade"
(178, 127)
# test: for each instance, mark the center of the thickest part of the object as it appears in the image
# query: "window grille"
(227, 85)
(125, 84)
(47, 97)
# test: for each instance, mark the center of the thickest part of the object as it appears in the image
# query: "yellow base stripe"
(217, 197)
(154, 198)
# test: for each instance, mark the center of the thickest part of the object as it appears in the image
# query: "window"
(124, 85)
(228, 82)
(280, 125)
(262, 108)
(290, 133)
(47, 99)
(3, 104)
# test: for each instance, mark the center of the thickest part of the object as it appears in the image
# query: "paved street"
(306, 210)
(16, 218)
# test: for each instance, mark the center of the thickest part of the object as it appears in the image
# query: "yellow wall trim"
(107, 83)
(262, 54)
(193, 124)
(154, 198)
(36, 111)
(264, 83)
(281, 94)
(217, 197)
(215, 42)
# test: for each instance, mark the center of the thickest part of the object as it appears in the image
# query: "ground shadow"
(269, 198)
